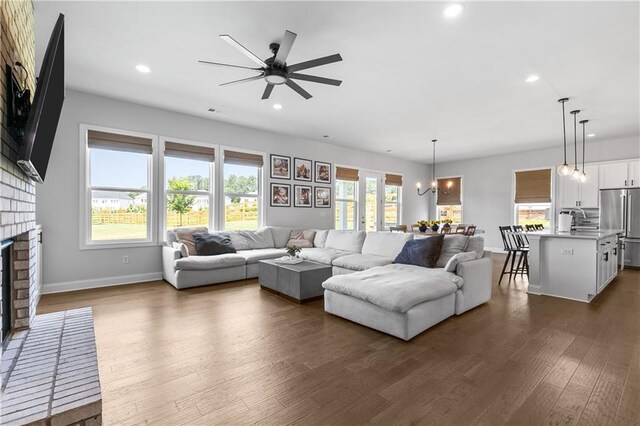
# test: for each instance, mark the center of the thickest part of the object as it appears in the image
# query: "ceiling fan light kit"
(275, 71)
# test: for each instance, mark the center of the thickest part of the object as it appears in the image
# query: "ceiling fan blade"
(285, 48)
(298, 89)
(267, 91)
(244, 80)
(229, 65)
(315, 62)
(315, 79)
(244, 50)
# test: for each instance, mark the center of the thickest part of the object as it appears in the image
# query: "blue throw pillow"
(213, 244)
(422, 252)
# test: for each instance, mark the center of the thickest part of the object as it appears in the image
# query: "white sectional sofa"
(366, 287)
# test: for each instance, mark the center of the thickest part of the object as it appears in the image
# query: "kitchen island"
(574, 265)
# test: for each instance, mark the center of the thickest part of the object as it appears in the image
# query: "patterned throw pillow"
(423, 252)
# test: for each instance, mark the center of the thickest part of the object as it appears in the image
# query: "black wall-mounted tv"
(41, 127)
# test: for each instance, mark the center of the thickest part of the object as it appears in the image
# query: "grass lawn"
(240, 225)
(118, 231)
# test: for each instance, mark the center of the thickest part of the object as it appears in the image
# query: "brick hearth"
(50, 372)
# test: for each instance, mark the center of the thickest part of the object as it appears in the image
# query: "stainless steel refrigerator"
(620, 209)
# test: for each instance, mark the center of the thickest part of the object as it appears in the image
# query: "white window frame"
(514, 205)
(85, 188)
(162, 182)
(398, 204)
(347, 200)
(261, 185)
(461, 196)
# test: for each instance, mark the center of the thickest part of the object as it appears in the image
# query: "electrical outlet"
(125, 259)
(566, 252)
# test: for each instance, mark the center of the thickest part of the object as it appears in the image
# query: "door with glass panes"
(371, 208)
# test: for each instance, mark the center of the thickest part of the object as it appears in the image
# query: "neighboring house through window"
(118, 174)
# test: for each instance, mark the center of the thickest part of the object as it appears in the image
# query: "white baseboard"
(99, 282)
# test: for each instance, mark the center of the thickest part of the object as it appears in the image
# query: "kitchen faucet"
(584, 215)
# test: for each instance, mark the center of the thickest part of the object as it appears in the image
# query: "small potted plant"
(422, 225)
(293, 251)
(447, 223)
(435, 225)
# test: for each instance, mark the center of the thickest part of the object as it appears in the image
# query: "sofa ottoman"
(401, 300)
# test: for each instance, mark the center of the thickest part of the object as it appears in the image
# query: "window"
(118, 175)
(392, 197)
(449, 200)
(346, 198)
(242, 183)
(532, 199)
(188, 185)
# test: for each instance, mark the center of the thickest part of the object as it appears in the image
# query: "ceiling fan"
(275, 71)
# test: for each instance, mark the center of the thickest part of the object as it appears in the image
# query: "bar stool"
(530, 227)
(539, 227)
(513, 248)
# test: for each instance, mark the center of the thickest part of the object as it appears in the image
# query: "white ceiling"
(409, 74)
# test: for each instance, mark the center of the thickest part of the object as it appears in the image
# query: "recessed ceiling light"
(590, 135)
(325, 136)
(143, 68)
(532, 78)
(277, 106)
(210, 109)
(388, 150)
(453, 10)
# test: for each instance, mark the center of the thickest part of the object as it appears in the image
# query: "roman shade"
(192, 152)
(392, 180)
(118, 142)
(243, 158)
(533, 186)
(343, 173)
(452, 196)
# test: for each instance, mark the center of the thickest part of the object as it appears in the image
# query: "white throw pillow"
(453, 263)
(184, 251)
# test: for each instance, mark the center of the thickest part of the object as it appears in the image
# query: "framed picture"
(322, 197)
(280, 167)
(323, 172)
(302, 196)
(302, 169)
(280, 195)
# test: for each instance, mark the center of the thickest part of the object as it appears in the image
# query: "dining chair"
(471, 230)
(446, 229)
(461, 229)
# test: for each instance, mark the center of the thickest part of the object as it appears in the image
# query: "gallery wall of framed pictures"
(300, 170)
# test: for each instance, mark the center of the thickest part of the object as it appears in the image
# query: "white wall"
(488, 182)
(67, 267)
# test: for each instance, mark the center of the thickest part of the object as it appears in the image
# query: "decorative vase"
(435, 228)
(446, 225)
(423, 228)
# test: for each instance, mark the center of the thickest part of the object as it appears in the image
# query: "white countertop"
(585, 235)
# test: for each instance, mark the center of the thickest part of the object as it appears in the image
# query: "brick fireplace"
(17, 192)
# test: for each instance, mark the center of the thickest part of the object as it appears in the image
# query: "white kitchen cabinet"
(590, 190)
(575, 194)
(634, 173)
(614, 175)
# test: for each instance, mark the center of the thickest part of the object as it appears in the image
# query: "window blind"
(192, 152)
(243, 158)
(343, 173)
(394, 180)
(118, 142)
(533, 186)
(452, 196)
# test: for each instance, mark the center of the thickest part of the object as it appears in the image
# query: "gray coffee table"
(301, 282)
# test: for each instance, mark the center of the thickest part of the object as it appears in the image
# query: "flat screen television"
(43, 119)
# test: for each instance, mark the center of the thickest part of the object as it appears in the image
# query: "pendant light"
(434, 181)
(564, 169)
(575, 174)
(583, 176)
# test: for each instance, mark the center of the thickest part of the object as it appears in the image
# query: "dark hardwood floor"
(234, 354)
